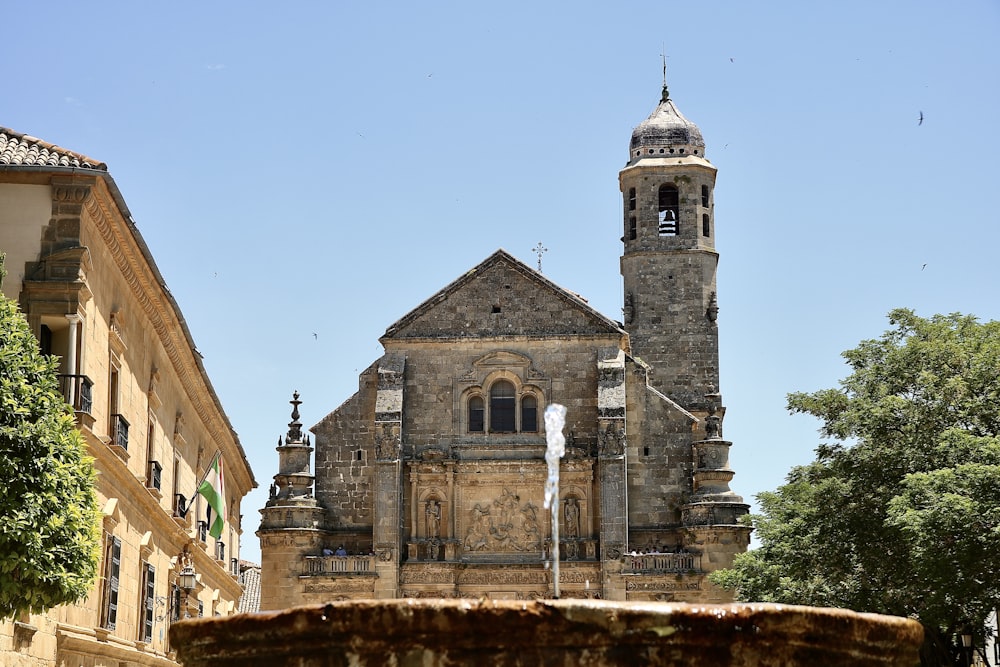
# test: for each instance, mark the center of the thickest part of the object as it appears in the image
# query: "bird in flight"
(920, 121)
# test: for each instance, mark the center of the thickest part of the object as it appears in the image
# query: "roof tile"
(18, 149)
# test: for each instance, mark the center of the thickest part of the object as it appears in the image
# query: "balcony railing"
(154, 473)
(78, 392)
(339, 565)
(657, 562)
(180, 505)
(119, 431)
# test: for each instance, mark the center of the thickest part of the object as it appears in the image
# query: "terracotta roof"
(23, 150)
(250, 578)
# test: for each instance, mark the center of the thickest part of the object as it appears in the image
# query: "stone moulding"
(546, 632)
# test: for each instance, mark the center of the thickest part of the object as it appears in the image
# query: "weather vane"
(538, 250)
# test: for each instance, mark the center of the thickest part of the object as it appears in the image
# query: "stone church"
(429, 481)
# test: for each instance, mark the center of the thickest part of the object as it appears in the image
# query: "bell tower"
(669, 260)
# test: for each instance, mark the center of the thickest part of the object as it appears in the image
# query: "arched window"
(502, 407)
(669, 201)
(477, 414)
(529, 414)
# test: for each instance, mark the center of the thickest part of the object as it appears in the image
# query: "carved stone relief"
(387, 442)
(611, 440)
(505, 525)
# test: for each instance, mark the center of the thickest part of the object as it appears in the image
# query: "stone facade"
(429, 480)
(88, 286)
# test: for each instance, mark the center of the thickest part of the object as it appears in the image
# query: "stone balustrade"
(318, 565)
(661, 562)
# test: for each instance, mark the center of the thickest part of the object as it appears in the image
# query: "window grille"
(154, 475)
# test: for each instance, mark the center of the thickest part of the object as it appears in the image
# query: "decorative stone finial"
(294, 427)
(713, 424)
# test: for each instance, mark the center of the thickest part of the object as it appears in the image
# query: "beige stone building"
(429, 480)
(91, 292)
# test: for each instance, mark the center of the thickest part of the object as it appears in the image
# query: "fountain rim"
(579, 624)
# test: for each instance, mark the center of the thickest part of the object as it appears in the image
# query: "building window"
(119, 431)
(220, 551)
(704, 196)
(631, 228)
(118, 426)
(706, 226)
(502, 411)
(154, 475)
(203, 531)
(175, 602)
(529, 414)
(631, 199)
(146, 603)
(477, 413)
(112, 572)
(180, 505)
(668, 209)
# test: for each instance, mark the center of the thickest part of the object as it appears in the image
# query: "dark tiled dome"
(665, 133)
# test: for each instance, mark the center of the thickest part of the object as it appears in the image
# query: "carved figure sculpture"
(433, 512)
(571, 517)
(478, 536)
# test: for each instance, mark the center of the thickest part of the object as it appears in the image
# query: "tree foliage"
(49, 520)
(900, 511)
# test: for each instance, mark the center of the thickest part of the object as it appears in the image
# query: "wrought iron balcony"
(119, 431)
(154, 474)
(180, 505)
(78, 392)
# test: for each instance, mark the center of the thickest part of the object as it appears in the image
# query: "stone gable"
(501, 297)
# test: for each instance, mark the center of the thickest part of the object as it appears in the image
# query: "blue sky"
(323, 168)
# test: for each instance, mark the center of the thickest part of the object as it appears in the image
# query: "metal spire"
(665, 95)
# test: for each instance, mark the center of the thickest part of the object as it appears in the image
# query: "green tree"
(49, 520)
(900, 511)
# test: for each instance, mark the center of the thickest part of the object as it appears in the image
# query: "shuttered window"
(148, 600)
(112, 572)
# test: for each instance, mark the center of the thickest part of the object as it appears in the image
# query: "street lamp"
(187, 579)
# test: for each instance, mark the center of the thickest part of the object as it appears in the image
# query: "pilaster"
(388, 475)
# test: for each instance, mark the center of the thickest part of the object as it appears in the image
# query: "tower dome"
(665, 133)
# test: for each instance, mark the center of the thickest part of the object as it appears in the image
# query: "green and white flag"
(213, 488)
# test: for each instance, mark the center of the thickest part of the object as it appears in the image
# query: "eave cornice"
(135, 264)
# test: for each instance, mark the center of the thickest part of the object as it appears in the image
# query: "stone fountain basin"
(485, 633)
